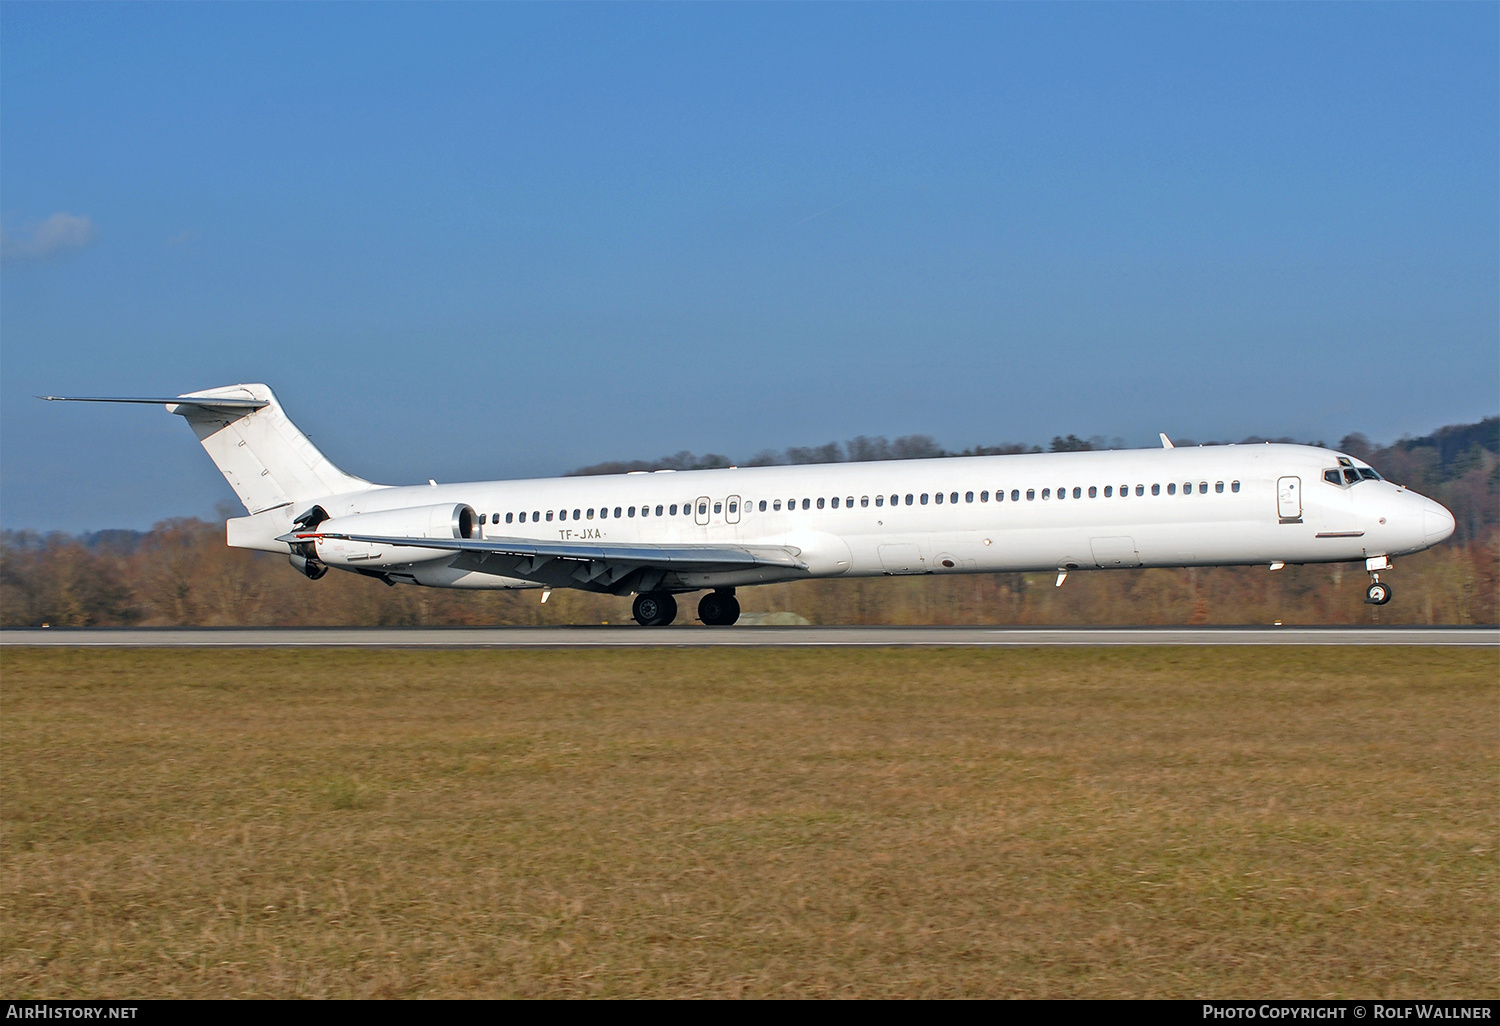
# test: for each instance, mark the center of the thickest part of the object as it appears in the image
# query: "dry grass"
(1152, 822)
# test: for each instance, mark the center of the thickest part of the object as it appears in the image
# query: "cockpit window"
(1345, 476)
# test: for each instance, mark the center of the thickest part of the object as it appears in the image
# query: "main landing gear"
(654, 609)
(719, 608)
(658, 608)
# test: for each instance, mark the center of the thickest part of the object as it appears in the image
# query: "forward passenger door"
(1289, 500)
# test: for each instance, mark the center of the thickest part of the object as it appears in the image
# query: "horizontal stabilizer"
(220, 403)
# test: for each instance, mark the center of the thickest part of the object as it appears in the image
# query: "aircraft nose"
(1437, 522)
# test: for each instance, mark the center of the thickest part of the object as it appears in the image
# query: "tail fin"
(265, 459)
(262, 455)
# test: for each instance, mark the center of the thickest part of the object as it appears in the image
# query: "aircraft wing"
(581, 565)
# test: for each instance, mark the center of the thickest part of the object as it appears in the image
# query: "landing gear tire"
(654, 609)
(1378, 594)
(719, 609)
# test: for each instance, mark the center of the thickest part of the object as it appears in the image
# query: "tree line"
(181, 572)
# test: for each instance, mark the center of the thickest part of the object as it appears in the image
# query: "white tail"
(265, 459)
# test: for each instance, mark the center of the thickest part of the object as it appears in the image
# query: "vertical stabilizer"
(265, 459)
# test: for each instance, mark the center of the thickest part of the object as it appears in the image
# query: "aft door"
(700, 511)
(1289, 499)
(732, 509)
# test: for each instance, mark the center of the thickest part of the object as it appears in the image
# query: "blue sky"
(481, 240)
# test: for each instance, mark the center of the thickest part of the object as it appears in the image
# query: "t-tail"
(272, 466)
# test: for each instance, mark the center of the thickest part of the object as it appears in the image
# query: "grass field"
(1153, 822)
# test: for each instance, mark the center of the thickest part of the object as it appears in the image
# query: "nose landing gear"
(1377, 594)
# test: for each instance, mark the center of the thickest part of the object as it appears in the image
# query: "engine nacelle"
(446, 520)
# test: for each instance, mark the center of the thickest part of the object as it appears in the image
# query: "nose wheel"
(1378, 593)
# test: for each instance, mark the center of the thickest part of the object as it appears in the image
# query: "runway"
(697, 636)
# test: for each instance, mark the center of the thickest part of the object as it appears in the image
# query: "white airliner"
(657, 535)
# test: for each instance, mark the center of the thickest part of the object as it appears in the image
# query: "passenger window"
(924, 498)
(1219, 487)
(820, 503)
(909, 498)
(1140, 489)
(968, 496)
(482, 520)
(776, 505)
(1093, 492)
(630, 511)
(702, 509)
(985, 496)
(880, 500)
(1172, 488)
(591, 513)
(954, 497)
(1234, 486)
(848, 502)
(939, 498)
(1046, 493)
(578, 514)
(508, 516)
(864, 502)
(658, 511)
(549, 516)
(734, 507)
(535, 516)
(1187, 488)
(1202, 487)
(806, 503)
(835, 502)
(1077, 492)
(618, 512)
(1155, 489)
(763, 505)
(1109, 491)
(718, 508)
(674, 509)
(494, 518)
